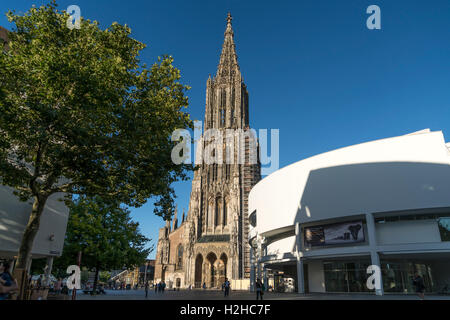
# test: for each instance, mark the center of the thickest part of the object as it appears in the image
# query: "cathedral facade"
(211, 243)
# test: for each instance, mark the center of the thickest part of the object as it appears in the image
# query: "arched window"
(224, 98)
(180, 257)
(232, 107)
(222, 117)
(218, 215)
(210, 214)
(224, 212)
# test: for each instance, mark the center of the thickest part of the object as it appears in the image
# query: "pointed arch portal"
(198, 271)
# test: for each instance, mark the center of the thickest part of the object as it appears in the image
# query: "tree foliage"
(80, 114)
(106, 236)
(104, 276)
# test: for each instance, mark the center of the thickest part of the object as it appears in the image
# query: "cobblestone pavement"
(240, 295)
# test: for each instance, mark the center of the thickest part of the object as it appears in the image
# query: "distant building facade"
(133, 276)
(147, 272)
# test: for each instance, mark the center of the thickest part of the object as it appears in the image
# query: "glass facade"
(351, 276)
(398, 276)
(345, 276)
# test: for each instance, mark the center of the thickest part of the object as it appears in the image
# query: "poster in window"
(341, 233)
(350, 232)
(314, 236)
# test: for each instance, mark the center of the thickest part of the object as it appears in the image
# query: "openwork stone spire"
(226, 93)
(228, 65)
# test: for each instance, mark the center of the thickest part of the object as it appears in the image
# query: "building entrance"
(198, 271)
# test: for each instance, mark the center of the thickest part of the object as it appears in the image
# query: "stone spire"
(228, 65)
(175, 219)
(168, 225)
(226, 93)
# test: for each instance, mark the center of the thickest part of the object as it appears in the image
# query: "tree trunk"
(94, 289)
(26, 246)
(30, 231)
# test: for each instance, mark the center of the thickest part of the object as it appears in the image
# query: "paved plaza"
(240, 295)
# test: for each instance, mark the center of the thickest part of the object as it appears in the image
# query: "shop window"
(398, 276)
(350, 276)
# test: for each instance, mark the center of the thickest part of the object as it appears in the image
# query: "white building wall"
(402, 232)
(280, 246)
(316, 276)
(400, 173)
(14, 216)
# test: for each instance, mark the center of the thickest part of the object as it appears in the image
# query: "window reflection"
(398, 276)
(444, 228)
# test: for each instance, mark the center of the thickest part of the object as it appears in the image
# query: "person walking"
(156, 287)
(7, 282)
(259, 289)
(58, 286)
(204, 285)
(226, 287)
(146, 289)
(419, 284)
(39, 282)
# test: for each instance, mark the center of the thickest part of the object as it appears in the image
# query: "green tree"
(104, 276)
(106, 236)
(38, 266)
(80, 114)
(84, 274)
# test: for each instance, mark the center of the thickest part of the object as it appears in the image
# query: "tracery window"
(180, 257)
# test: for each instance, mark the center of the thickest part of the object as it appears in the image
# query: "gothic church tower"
(217, 237)
(211, 244)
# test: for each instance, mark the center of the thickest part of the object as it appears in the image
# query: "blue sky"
(313, 69)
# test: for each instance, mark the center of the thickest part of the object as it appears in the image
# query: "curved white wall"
(400, 173)
(14, 216)
(281, 246)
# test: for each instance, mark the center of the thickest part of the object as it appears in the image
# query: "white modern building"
(14, 216)
(323, 220)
